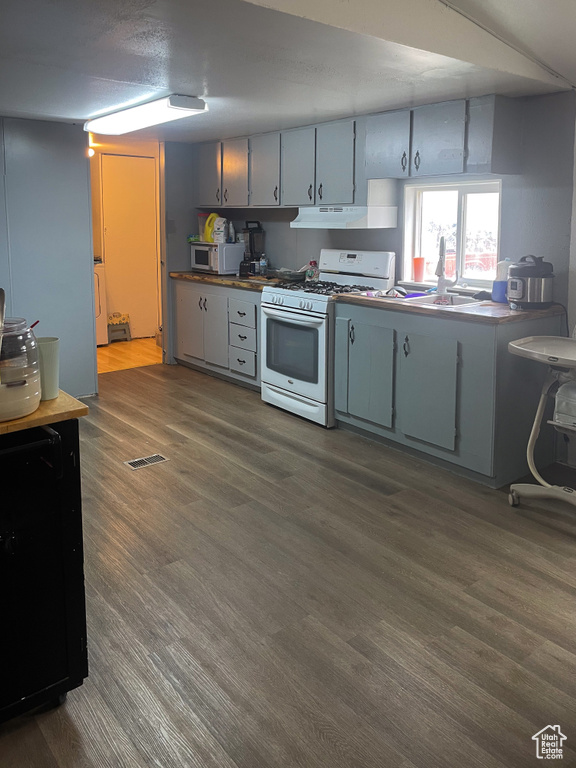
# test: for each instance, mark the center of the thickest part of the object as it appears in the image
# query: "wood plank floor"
(121, 355)
(280, 595)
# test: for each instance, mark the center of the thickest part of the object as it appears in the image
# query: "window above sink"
(467, 215)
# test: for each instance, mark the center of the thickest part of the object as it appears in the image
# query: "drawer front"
(242, 312)
(242, 336)
(242, 361)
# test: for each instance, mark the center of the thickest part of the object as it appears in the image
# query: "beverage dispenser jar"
(19, 370)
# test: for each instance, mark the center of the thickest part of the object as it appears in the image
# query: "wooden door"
(129, 216)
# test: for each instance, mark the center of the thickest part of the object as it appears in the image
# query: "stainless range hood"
(380, 213)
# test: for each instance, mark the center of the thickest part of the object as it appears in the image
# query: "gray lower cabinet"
(201, 325)
(210, 174)
(264, 169)
(427, 377)
(444, 387)
(438, 132)
(215, 329)
(365, 352)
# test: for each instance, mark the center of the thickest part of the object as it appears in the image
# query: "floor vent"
(146, 461)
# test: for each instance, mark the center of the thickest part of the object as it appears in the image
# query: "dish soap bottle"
(312, 273)
(263, 264)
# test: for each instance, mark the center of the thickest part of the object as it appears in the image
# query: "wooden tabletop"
(61, 408)
(485, 312)
(230, 281)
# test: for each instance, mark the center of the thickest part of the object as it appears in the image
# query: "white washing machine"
(101, 306)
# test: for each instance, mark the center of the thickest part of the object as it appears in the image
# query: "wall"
(537, 205)
(292, 248)
(46, 262)
(178, 219)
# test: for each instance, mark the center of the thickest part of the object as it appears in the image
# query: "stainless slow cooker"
(530, 283)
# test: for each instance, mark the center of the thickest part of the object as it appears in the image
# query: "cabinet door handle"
(200, 302)
(226, 195)
(276, 194)
(242, 314)
(417, 159)
(352, 335)
(320, 191)
(310, 192)
(218, 195)
(242, 338)
(242, 362)
(404, 161)
(205, 305)
(406, 346)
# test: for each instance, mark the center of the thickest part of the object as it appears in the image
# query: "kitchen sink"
(449, 300)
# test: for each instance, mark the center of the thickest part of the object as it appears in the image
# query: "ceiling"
(272, 64)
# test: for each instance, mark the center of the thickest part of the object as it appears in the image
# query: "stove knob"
(301, 304)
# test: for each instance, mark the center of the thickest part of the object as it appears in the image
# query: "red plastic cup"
(418, 269)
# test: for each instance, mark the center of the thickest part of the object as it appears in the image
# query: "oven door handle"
(311, 322)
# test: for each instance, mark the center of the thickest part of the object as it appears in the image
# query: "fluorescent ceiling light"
(144, 115)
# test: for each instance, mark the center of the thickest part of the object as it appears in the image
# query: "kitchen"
(280, 449)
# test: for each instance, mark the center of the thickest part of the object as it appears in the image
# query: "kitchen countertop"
(488, 312)
(61, 408)
(231, 281)
(485, 312)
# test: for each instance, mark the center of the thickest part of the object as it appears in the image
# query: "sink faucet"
(443, 282)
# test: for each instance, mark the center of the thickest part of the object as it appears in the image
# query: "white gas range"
(298, 330)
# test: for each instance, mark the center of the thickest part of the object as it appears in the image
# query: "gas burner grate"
(146, 461)
(325, 288)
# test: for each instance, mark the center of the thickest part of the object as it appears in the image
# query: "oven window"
(202, 257)
(292, 350)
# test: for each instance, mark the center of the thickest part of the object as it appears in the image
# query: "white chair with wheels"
(559, 353)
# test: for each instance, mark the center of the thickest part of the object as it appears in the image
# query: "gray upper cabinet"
(494, 135)
(264, 171)
(335, 163)
(298, 167)
(438, 132)
(235, 172)
(210, 174)
(388, 145)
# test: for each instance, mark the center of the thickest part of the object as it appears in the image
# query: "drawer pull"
(242, 338)
(242, 314)
(242, 362)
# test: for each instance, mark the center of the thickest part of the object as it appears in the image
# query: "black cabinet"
(42, 604)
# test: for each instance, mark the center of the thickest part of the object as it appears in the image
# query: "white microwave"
(218, 258)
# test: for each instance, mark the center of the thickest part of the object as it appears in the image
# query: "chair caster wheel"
(513, 499)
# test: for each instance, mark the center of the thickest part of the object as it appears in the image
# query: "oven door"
(294, 351)
(204, 257)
